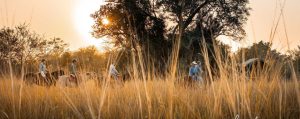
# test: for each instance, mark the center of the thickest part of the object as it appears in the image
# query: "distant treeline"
(23, 49)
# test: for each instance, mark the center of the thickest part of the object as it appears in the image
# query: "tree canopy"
(156, 24)
(20, 45)
(260, 50)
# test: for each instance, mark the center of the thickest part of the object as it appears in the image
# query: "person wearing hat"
(195, 71)
(192, 71)
(73, 71)
(42, 68)
(73, 67)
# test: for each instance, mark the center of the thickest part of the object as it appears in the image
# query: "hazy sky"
(69, 20)
(261, 22)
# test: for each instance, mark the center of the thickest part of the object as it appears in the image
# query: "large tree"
(157, 24)
(133, 25)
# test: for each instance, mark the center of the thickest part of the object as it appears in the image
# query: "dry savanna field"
(267, 96)
(246, 51)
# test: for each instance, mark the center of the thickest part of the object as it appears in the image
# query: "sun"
(105, 21)
(83, 22)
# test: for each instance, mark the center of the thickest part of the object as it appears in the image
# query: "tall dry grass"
(230, 95)
(227, 99)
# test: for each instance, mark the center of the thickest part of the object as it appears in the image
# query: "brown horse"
(30, 78)
(56, 74)
(36, 78)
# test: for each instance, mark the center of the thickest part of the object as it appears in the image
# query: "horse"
(56, 74)
(252, 64)
(30, 78)
(253, 67)
(36, 78)
(66, 81)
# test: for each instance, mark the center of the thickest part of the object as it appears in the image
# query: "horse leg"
(76, 81)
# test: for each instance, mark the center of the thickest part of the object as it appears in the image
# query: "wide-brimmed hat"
(194, 62)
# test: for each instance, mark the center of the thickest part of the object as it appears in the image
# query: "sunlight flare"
(105, 21)
(83, 22)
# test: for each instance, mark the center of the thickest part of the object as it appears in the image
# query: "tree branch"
(190, 18)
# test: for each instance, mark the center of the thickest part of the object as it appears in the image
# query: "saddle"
(73, 78)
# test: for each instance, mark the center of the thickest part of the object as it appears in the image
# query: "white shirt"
(112, 70)
(42, 68)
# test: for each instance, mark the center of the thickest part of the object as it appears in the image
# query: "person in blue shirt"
(195, 71)
(192, 71)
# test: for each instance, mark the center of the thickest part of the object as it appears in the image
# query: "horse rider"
(43, 69)
(113, 71)
(73, 71)
(195, 71)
